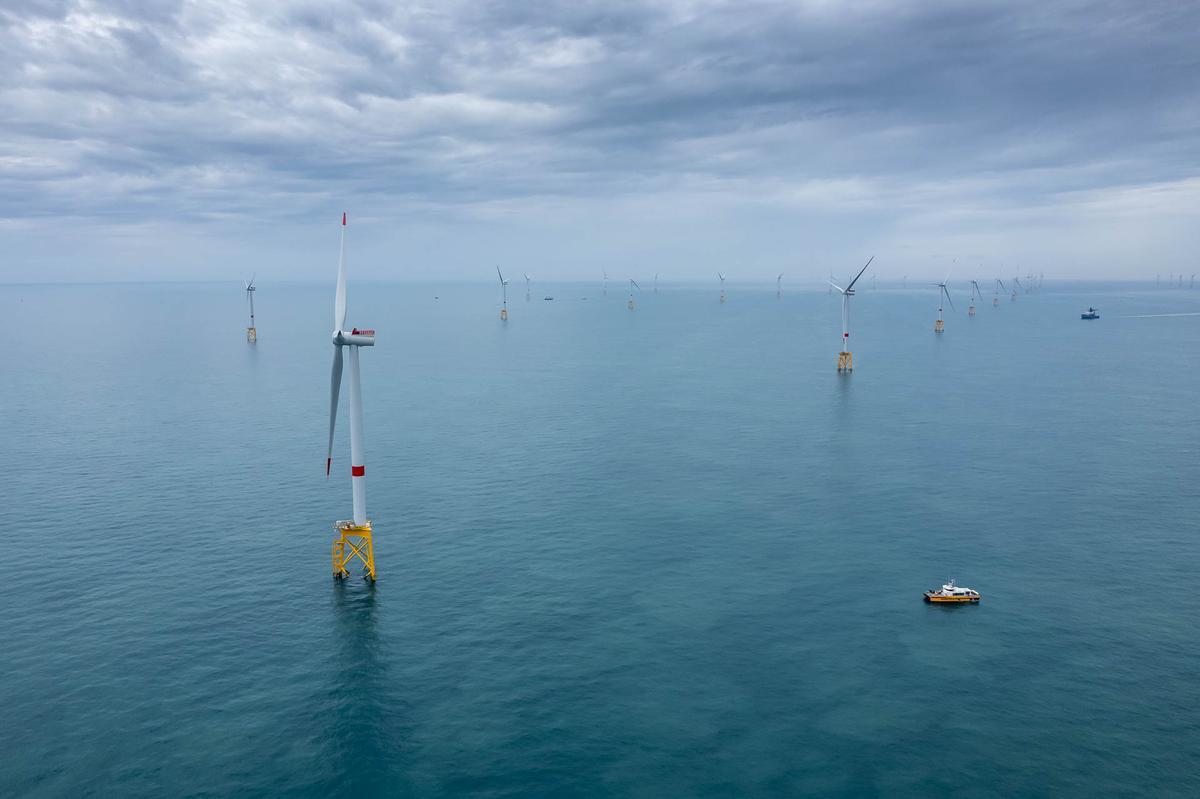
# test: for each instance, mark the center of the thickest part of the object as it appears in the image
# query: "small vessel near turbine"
(354, 536)
(845, 361)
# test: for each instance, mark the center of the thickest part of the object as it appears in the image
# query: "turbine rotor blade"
(335, 386)
(836, 286)
(339, 297)
(860, 273)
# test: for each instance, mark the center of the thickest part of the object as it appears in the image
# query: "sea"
(660, 552)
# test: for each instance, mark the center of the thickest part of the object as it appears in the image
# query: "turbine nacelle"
(354, 338)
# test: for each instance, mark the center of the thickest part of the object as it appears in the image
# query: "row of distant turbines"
(353, 542)
(1174, 283)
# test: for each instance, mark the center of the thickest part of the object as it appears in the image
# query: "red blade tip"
(343, 218)
(328, 463)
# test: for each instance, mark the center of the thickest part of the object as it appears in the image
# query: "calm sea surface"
(651, 554)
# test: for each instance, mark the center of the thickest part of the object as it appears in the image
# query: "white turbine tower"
(632, 284)
(942, 291)
(974, 290)
(845, 359)
(722, 286)
(779, 286)
(252, 331)
(355, 533)
(504, 296)
(526, 286)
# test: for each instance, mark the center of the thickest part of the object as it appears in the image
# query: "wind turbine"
(632, 284)
(975, 290)
(1016, 283)
(722, 286)
(504, 295)
(355, 533)
(942, 291)
(996, 295)
(656, 282)
(779, 286)
(845, 359)
(252, 331)
(526, 286)
(605, 271)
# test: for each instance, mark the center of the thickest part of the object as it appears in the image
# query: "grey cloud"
(449, 111)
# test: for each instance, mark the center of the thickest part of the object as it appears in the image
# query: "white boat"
(952, 593)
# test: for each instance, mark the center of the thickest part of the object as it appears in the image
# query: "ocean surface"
(660, 553)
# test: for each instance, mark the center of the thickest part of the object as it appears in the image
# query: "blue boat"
(1091, 313)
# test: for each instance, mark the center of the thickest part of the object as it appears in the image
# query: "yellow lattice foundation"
(938, 327)
(353, 543)
(503, 314)
(845, 362)
(251, 335)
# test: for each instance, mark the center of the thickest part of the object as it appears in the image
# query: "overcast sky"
(212, 139)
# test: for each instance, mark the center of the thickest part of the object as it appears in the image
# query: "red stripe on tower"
(358, 471)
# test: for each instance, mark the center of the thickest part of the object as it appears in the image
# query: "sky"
(214, 139)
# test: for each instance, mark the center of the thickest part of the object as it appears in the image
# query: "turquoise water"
(650, 554)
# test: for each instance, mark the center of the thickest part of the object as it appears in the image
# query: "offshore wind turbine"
(722, 286)
(996, 294)
(779, 286)
(252, 331)
(504, 296)
(605, 271)
(656, 282)
(632, 284)
(1016, 284)
(974, 290)
(845, 359)
(354, 534)
(942, 292)
(526, 286)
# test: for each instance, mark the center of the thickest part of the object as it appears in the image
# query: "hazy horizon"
(209, 141)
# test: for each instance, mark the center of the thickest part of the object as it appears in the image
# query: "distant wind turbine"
(252, 331)
(632, 284)
(656, 282)
(722, 286)
(942, 292)
(779, 286)
(974, 290)
(605, 271)
(845, 359)
(504, 295)
(526, 286)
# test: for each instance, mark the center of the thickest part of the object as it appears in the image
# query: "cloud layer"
(159, 139)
